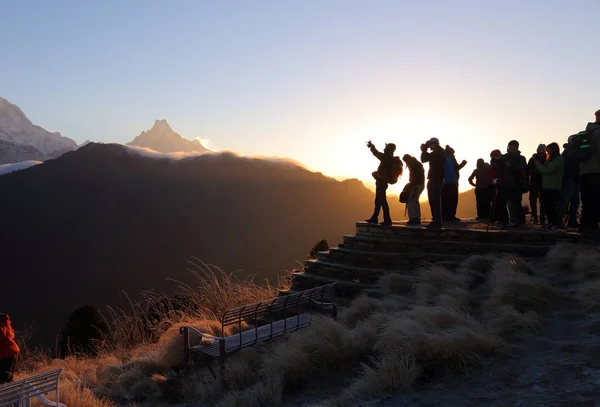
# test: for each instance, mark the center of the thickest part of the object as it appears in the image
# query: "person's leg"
(385, 206)
(434, 192)
(453, 201)
(379, 198)
(594, 201)
(533, 198)
(574, 206)
(479, 202)
(501, 206)
(567, 190)
(414, 208)
(587, 211)
(446, 202)
(7, 369)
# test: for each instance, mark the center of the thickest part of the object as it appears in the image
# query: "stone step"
(428, 247)
(336, 271)
(344, 289)
(406, 261)
(464, 233)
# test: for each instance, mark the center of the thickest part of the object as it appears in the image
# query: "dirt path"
(558, 366)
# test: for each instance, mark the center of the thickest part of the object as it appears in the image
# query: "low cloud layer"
(147, 152)
(8, 168)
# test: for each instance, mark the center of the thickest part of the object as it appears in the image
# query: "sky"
(312, 80)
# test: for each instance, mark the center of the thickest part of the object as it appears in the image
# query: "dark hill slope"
(102, 220)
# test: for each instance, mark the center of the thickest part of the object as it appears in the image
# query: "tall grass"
(428, 324)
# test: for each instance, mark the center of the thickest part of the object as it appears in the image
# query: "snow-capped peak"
(162, 138)
(17, 129)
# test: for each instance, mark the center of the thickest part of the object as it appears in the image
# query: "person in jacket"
(450, 188)
(569, 204)
(493, 181)
(536, 184)
(589, 181)
(417, 181)
(552, 173)
(512, 168)
(435, 178)
(482, 188)
(9, 350)
(386, 166)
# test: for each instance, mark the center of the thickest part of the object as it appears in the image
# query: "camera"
(369, 144)
(425, 146)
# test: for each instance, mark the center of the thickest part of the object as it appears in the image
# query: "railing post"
(186, 348)
(255, 324)
(272, 317)
(239, 330)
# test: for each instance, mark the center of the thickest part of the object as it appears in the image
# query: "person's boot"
(386, 223)
(535, 221)
(372, 221)
(434, 225)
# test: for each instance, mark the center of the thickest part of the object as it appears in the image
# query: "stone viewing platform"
(361, 260)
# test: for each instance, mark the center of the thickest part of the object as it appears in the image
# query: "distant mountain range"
(105, 219)
(21, 140)
(162, 138)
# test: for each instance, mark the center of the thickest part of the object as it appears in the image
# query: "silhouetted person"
(512, 167)
(417, 182)
(552, 173)
(494, 183)
(536, 184)
(450, 187)
(436, 159)
(9, 350)
(590, 181)
(386, 164)
(569, 204)
(483, 194)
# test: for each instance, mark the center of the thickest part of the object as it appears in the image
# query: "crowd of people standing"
(556, 180)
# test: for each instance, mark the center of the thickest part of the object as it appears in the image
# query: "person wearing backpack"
(9, 350)
(435, 176)
(417, 185)
(387, 173)
(482, 189)
(552, 172)
(587, 152)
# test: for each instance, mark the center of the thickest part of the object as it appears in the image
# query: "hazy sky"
(311, 80)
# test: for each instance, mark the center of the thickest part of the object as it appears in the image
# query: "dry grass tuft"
(387, 373)
(509, 323)
(395, 283)
(588, 295)
(562, 256)
(364, 306)
(510, 286)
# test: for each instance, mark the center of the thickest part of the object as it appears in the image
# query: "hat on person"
(495, 154)
(541, 148)
(434, 140)
(597, 113)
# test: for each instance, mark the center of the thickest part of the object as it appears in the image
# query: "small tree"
(84, 329)
(320, 246)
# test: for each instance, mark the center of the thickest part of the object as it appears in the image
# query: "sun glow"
(349, 157)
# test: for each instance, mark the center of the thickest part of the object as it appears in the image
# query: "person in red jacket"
(9, 350)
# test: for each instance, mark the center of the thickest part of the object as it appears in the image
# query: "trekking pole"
(493, 209)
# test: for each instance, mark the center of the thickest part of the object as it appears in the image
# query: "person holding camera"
(435, 176)
(386, 166)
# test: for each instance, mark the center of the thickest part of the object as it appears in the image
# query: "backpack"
(397, 169)
(583, 148)
(406, 193)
